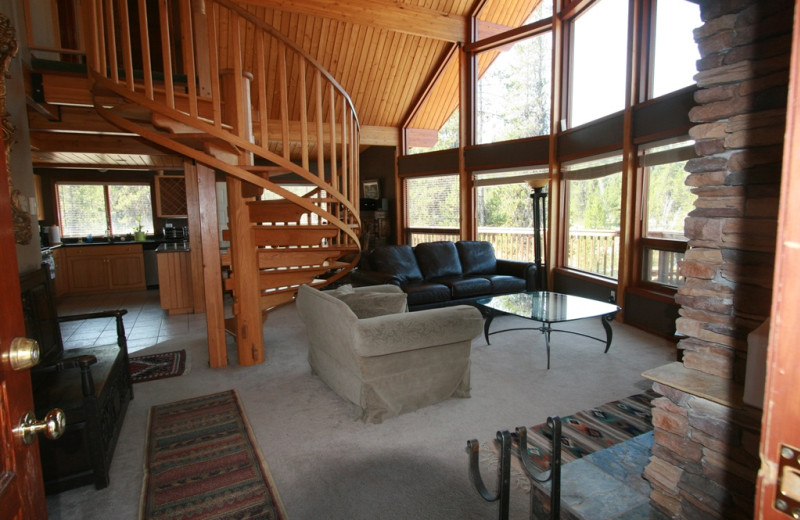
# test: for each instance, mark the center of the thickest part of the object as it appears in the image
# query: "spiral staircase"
(208, 80)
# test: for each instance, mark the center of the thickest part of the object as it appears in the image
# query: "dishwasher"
(150, 264)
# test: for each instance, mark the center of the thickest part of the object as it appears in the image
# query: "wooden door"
(780, 435)
(21, 484)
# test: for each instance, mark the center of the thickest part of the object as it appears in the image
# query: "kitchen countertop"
(150, 244)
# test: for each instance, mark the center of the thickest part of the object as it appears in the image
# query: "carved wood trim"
(19, 203)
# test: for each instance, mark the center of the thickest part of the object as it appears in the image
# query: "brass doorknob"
(52, 426)
(22, 354)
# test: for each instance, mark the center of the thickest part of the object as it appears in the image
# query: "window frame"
(643, 243)
(106, 203)
(602, 169)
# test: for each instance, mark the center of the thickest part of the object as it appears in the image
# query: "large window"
(667, 202)
(594, 190)
(676, 53)
(513, 97)
(504, 212)
(432, 208)
(599, 61)
(95, 209)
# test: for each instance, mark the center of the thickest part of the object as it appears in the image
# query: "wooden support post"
(212, 271)
(244, 260)
(195, 235)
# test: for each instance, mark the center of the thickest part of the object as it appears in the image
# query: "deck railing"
(593, 251)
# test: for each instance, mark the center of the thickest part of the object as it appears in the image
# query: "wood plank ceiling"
(383, 52)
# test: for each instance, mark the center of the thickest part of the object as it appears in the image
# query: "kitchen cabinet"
(171, 196)
(175, 280)
(103, 268)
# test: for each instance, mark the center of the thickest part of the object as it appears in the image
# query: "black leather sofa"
(437, 274)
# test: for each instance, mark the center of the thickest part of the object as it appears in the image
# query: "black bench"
(91, 385)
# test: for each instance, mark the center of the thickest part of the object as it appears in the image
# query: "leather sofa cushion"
(397, 260)
(438, 259)
(421, 293)
(503, 284)
(477, 257)
(467, 286)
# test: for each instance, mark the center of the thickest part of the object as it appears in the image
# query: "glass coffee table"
(547, 308)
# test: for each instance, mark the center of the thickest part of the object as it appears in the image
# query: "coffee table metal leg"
(489, 318)
(606, 326)
(546, 331)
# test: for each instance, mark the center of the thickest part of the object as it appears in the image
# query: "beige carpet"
(327, 465)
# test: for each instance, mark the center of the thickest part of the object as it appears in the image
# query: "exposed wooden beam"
(87, 120)
(85, 143)
(381, 14)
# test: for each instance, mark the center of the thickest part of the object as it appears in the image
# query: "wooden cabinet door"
(87, 273)
(126, 272)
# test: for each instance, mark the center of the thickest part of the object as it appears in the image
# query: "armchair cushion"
(368, 304)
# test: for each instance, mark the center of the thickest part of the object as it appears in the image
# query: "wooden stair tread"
(276, 257)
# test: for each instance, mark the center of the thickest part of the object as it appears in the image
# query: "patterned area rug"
(593, 430)
(158, 366)
(202, 463)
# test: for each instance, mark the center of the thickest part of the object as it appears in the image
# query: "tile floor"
(146, 324)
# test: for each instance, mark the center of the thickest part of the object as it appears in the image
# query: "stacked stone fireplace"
(705, 456)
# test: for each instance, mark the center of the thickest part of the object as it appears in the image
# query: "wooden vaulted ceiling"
(394, 57)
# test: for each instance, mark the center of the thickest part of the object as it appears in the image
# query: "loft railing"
(172, 57)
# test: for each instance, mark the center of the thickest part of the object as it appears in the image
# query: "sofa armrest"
(525, 270)
(366, 277)
(406, 331)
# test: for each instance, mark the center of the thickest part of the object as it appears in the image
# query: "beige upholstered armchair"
(371, 351)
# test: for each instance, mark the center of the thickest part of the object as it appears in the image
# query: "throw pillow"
(372, 304)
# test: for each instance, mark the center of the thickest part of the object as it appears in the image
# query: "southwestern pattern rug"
(202, 463)
(157, 366)
(593, 430)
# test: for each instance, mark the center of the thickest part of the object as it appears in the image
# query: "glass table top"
(548, 307)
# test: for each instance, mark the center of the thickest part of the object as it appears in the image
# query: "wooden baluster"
(187, 45)
(111, 38)
(213, 64)
(332, 123)
(261, 88)
(125, 44)
(200, 35)
(166, 54)
(89, 21)
(283, 87)
(320, 132)
(101, 41)
(303, 112)
(147, 62)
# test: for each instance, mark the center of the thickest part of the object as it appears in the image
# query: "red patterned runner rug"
(202, 463)
(157, 366)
